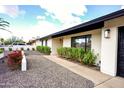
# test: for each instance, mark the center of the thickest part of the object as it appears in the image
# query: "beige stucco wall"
(96, 44)
(38, 42)
(56, 43)
(95, 41)
(109, 53)
(66, 41)
(33, 44)
(115, 22)
(49, 43)
(109, 46)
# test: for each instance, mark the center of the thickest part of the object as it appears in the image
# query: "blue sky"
(29, 21)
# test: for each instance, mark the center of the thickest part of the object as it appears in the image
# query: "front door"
(120, 64)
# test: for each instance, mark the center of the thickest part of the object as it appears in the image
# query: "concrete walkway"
(100, 79)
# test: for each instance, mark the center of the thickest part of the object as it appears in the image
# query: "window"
(81, 41)
(46, 42)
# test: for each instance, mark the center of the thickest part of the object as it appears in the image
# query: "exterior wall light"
(107, 33)
(61, 39)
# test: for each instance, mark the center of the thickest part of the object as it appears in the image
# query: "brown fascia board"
(97, 21)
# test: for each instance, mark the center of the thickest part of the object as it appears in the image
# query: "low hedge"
(10, 49)
(44, 49)
(78, 54)
(89, 58)
(1, 50)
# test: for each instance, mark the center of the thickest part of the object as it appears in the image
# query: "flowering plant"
(14, 59)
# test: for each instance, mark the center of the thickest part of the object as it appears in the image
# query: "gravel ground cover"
(41, 73)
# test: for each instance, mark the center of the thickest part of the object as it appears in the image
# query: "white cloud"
(42, 28)
(4, 34)
(11, 10)
(63, 10)
(41, 17)
(122, 7)
(47, 14)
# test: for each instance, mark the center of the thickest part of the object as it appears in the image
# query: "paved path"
(99, 79)
(86, 72)
(42, 73)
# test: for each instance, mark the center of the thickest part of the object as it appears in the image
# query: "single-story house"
(105, 35)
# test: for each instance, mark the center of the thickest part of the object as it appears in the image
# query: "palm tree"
(4, 24)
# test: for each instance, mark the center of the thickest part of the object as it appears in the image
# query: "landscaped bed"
(42, 73)
(80, 56)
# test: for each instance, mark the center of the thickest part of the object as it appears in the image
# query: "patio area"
(41, 73)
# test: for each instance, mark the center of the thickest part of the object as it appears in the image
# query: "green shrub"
(89, 58)
(10, 49)
(1, 50)
(59, 51)
(68, 53)
(71, 53)
(47, 50)
(33, 49)
(38, 48)
(44, 49)
(77, 54)
(81, 52)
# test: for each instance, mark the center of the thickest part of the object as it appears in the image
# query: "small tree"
(13, 40)
(2, 41)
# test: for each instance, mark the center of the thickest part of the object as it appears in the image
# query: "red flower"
(15, 58)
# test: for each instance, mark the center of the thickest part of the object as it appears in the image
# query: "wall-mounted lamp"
(107, 33)
(61, 39)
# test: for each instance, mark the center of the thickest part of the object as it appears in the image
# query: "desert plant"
(10, 49)
(89, 58)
